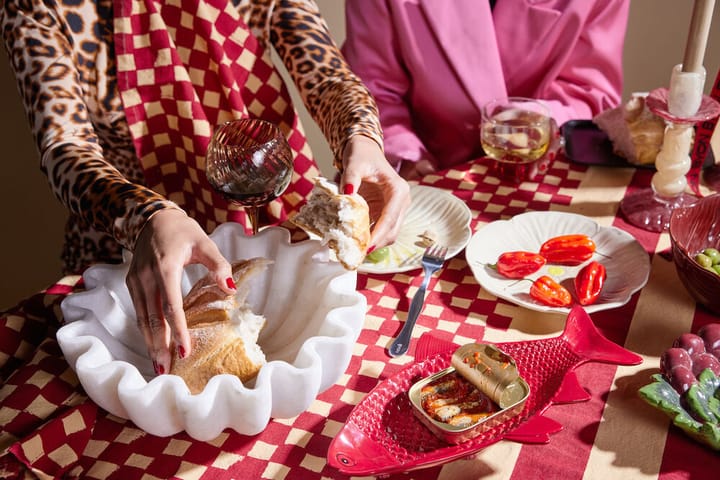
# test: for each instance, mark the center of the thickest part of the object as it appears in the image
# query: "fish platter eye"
(455, 410)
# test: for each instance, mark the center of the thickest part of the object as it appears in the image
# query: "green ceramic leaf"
(661, 394)
(701, 398)
(703, 401)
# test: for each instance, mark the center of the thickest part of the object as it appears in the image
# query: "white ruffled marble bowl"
(313, 313)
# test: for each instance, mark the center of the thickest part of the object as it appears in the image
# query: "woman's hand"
(169, 241)
(367, 171)
(416, 170)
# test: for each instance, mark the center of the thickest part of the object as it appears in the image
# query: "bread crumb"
(428, 238)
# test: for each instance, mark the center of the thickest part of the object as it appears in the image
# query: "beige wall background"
(32, 219)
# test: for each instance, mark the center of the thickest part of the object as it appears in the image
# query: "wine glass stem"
(253, 214)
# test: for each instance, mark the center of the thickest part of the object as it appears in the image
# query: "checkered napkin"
(38, 384)
(183, 68)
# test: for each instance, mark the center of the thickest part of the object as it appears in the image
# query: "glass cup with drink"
(515, 133)
(250, 163)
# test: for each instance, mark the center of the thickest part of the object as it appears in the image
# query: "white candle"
(698, 35)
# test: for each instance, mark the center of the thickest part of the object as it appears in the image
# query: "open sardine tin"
(489, 380)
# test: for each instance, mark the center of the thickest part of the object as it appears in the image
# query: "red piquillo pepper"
(549, 292)
(519, 264)
(572, 249)
(589, 282)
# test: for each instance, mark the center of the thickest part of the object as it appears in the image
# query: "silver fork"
(432, 260)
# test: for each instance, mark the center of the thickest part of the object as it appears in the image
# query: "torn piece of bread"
(342, 221)
(223, 330)
(635, 132)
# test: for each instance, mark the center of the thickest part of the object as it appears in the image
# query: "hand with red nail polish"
(168, 242)
(416, 170)
(367, 171)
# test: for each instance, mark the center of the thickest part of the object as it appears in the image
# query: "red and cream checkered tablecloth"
(50, 429)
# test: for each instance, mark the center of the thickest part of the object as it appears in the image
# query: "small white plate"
(434, 210)
(626, 261)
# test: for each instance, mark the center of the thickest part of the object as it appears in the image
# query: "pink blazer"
(432, 64)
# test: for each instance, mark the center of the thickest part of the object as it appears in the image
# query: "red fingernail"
(349, 189)
(370, 250)
(159, 369)
(230, 283)
(181, 351)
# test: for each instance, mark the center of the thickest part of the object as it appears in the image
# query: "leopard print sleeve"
(335, 97)
(57, 52)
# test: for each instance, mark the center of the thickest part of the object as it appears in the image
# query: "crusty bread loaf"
(636, 133)
(223, 330)
(342, 221)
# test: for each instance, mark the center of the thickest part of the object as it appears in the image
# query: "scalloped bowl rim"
(163, 405)
(680, 214)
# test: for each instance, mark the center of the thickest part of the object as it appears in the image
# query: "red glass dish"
(693, 229)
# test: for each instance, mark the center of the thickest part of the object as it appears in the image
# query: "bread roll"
(223, 330)
(342, 221)
(636, 133)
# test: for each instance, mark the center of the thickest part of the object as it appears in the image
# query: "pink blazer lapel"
(464, 29)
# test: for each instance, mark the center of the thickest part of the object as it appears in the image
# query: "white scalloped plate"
(308, 344)
(432, 209)
(626, 261)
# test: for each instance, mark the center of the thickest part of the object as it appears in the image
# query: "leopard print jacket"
(63, 58)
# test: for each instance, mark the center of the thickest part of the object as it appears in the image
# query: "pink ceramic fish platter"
(382, 435)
